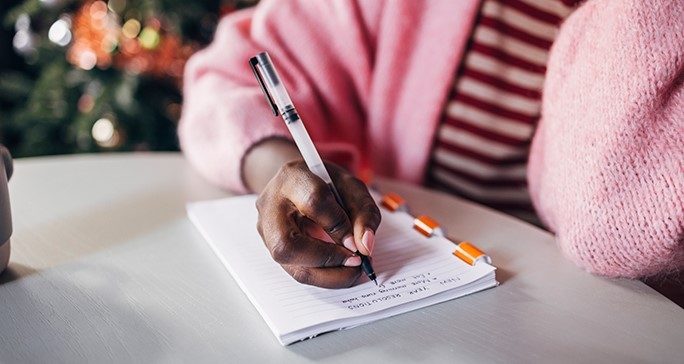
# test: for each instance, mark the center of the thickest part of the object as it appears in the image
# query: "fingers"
(299, 216)
(315, 200)
(311, 229)
(364, 212)
(289, 245)
(337, 277)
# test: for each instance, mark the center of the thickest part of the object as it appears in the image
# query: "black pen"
(281, 104)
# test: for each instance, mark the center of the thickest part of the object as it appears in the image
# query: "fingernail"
(348, 243)
(354, 261)
(368, 240)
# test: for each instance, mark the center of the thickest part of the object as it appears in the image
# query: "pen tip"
(376, 281)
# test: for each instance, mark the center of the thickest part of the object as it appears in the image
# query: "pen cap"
(270, 82)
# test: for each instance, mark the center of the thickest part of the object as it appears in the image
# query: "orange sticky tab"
(393, 202)
(470, 254)
(427, 226)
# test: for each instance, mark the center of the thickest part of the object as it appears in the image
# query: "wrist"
(263, 160)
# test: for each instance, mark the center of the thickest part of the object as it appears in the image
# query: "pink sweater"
(606, 168)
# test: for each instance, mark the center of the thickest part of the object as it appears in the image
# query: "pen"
(280, 103)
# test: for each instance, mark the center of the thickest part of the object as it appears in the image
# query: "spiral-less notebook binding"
(428, 226)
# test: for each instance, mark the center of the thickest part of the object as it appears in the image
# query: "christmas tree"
(99, 76)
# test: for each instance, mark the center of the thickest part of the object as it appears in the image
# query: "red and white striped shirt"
(481, 147)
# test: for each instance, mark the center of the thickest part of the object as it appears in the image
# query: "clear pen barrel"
(273, 83)
(276, 90)
(309, 153)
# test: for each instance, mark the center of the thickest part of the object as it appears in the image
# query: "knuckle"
(370, 213)
(266, 200)
(259, 228)
(288, 166)
(339, 225)
(331, 255)
(315, 201)
(301, 275)
(262, 220)
(329, 260)
(357, 183)
(292, 168)
(260, 201)
(374, 214)
(309, 205)
(320, 190)
(285, 172)
(281, 251)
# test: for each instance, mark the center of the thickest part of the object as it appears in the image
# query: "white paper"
(410, 268)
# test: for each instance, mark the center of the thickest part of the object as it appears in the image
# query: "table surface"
(107, 268)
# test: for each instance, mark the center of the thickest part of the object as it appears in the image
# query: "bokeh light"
(60, 32)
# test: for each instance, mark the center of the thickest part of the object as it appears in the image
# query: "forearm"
(225, 113)
(264, 159)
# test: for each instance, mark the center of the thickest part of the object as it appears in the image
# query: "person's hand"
(296, 203)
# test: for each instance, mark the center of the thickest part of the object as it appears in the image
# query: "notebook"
(415, 267)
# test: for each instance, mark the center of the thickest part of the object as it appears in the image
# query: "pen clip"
(253, 62)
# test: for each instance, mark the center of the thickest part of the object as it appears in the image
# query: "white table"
(106, 268)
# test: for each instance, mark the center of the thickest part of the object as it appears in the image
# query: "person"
(569, 111)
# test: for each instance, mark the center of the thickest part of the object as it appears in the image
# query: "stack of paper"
(413, 272)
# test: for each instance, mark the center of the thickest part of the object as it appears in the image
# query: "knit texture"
(370, 78)
(606, 170)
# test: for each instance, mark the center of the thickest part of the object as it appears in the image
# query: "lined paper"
(410, 268)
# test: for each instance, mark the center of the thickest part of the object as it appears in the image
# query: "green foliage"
(40, 100)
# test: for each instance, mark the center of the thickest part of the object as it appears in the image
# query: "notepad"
(414, 271)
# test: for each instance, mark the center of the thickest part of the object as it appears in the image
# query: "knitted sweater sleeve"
(224, 111)
(606, 168)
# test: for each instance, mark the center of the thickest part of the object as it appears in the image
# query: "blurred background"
(83, 76)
